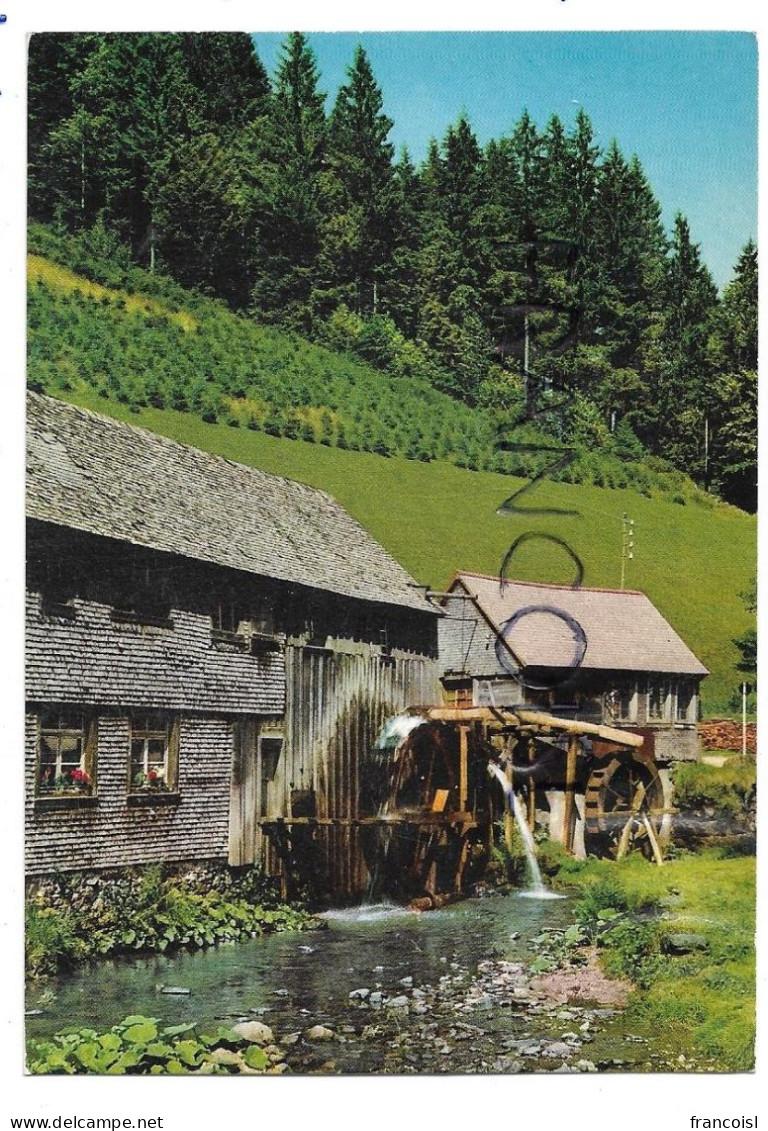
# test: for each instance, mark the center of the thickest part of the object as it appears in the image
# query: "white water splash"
(396, 729)
(366, 913)
(537, 890)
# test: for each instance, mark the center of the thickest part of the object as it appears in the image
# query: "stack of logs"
(725, 734)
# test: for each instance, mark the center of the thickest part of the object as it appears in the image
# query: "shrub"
(143, 910)
(727, 789)
(50, 938)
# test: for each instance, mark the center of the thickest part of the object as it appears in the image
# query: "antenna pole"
(627, 544)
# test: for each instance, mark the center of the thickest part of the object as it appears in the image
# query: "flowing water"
(537, 889)
(446, 991)
(296, 980)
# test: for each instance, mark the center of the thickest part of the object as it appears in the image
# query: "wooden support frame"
(569, 810)
(531, 807)
(463, 767)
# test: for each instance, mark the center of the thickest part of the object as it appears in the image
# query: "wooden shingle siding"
(467, 641)
(113, 834)
(93, 659)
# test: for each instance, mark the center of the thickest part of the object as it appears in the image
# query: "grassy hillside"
(117, 340)
(435, 518)
(143, 341)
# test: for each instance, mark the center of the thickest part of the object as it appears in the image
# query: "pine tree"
(358, 231)
(289, 241)
(629, 248)
(733, 405)
(675, 424)
(453, 262)
(228, 74)
(54, 61)
(400, 283)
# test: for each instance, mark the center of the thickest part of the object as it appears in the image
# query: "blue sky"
(685, 102)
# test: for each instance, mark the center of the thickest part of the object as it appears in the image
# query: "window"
(66, 748)
(154, 753)
(686, 703)
(270, 749)
(459, 694)
(622, 704)
(657, 700)
(139, 593)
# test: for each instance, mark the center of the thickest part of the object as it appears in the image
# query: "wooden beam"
(652, 838)
(521, 718)
(531, 815)
(569, 809)
(572, 726)
(463, 766)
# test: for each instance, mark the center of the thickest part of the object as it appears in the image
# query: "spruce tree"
(289, 241)
(733, 405)
(676, 423)
(358, 230)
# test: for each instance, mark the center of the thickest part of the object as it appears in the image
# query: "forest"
(530, 279)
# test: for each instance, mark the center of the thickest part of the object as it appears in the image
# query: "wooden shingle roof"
(623, 628)
(95, 474)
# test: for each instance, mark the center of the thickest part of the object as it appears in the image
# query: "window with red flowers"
(66, 753)
(154, 744)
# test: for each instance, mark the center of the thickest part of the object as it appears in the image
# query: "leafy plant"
(137, 1046)
(149, 912)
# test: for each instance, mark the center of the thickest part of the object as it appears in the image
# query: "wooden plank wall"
(336, 704)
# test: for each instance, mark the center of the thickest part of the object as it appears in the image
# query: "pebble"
(319, 1033)
(255, 1032)
(399, 1002)
(557, 1048)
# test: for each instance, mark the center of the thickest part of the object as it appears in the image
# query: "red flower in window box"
(80, 780)
(151, 782)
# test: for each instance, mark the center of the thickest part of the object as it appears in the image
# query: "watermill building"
(211, 650)
(601, 655)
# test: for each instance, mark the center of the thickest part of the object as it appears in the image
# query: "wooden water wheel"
(625, 808)
(432, 833)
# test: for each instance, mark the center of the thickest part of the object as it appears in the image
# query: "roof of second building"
(624, 630)
(98, 475)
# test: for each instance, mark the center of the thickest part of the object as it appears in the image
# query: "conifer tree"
(293, 155)
(677, 412)
(733, 402)
(358, 229)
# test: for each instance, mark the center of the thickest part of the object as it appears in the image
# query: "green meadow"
(692, 561)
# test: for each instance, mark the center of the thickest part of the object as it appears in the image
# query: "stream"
(393, 991)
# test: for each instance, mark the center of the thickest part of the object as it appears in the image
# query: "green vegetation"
(145, 912)
(137, 1046)
(97, 322)
(418, 469)
(179, 153)
(437, 518)
(727, 789)
(703, 997)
